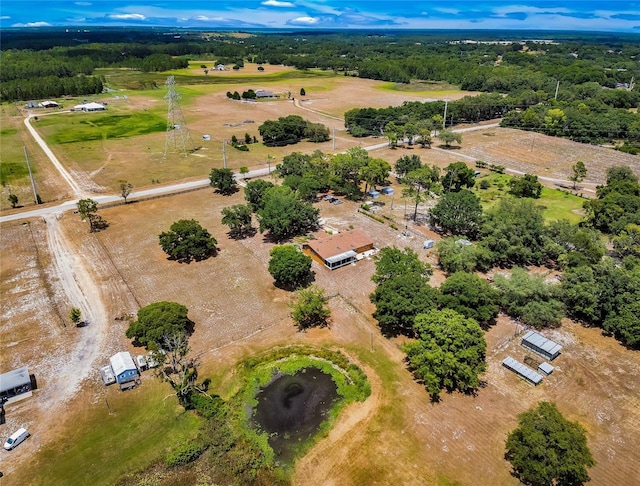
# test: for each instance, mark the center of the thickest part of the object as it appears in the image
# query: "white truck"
(17, 437)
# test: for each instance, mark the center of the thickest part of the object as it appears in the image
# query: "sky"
(582, 15)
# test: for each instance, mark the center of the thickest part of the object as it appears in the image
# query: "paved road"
(156, 191)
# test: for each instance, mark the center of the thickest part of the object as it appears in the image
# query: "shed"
(545, 368)
(522, 370)
(338, 250)
(206, 138)
(428, 244)
(263, 93)
(142, 362)
(106, 372)
(123, 367)
(374, 194)
(50, 104)
(387, 191)
(541, 345)
(15, 382)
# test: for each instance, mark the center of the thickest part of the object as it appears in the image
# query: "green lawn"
(101, 447)
(557, 204)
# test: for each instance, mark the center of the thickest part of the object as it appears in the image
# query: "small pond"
(292, 407)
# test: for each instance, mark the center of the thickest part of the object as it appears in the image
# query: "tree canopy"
(448, 354)
(458, 213)
(525, 186)
(471, 296)
(458, 175)
(238, 219)
(254, 191)
(548, 450)
(186, 240)
(392, 262)
(310, 308)
(157, 321)
(224, 181)
(284, 215)
(289, 267)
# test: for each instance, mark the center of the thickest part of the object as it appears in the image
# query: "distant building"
(338, 250)
(263, 93)
(49, 104)
(522, 371)
(541, 345)
(387, 191)
(90, 107)
(124, 368)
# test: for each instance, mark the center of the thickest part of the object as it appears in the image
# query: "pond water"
(292, 407)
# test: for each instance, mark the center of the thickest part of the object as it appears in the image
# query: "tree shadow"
(241, 235)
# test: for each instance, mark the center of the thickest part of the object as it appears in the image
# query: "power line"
(177, 130)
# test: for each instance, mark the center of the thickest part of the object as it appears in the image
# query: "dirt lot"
(461, 438)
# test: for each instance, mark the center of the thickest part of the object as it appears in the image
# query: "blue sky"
(611, 16)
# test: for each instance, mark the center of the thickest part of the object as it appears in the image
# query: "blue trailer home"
(124, 368)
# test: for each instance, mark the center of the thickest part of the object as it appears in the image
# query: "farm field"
(459, 440)
(48, 265)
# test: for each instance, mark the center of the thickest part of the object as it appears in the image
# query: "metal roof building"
(541, 345)
(522, 370)
(340, 249)
(123, 367)
(15, 382)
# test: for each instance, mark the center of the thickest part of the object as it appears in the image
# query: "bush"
(184, 454)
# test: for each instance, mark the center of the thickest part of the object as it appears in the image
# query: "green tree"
(254, 192)
(454, 255)
(75, 315)
(420, 185)
(238, 219)
(125, 190)
(449, 136)
(186, 240)
(392, 262)
(471, 296)
(579, 173)
(310, 308)
(513, 232)
(13, 199)
(87, 208)
(448, 354)
(289, 267)
(458, 213)
(548, 450)
(284, 215)
(244, 170)
(157, 321)
(223, 180)
(526, 186)
(554, 121)
(406, 164)
(458, 175)
(627, 243)
(302, 92)
(529, 298)
(399, 299)
(375, 172)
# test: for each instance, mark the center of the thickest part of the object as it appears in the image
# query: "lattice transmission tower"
(178, 136)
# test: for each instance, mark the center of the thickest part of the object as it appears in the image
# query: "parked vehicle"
(17, 437)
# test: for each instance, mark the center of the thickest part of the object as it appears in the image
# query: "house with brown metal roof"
(338, 250)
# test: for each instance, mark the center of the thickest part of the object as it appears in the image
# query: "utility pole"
(334, 138)
(444, 118)
(33, 182)
(557, 87)
(224, 154)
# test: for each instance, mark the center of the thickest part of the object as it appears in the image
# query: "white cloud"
(305, 20)
(83, 4)
(204, 18)
(33, 24)
(276, 3)
(127, 17)
(4, 17)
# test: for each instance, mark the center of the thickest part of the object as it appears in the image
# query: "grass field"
(558, 204)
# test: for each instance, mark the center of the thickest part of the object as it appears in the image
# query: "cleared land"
(396, 436)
